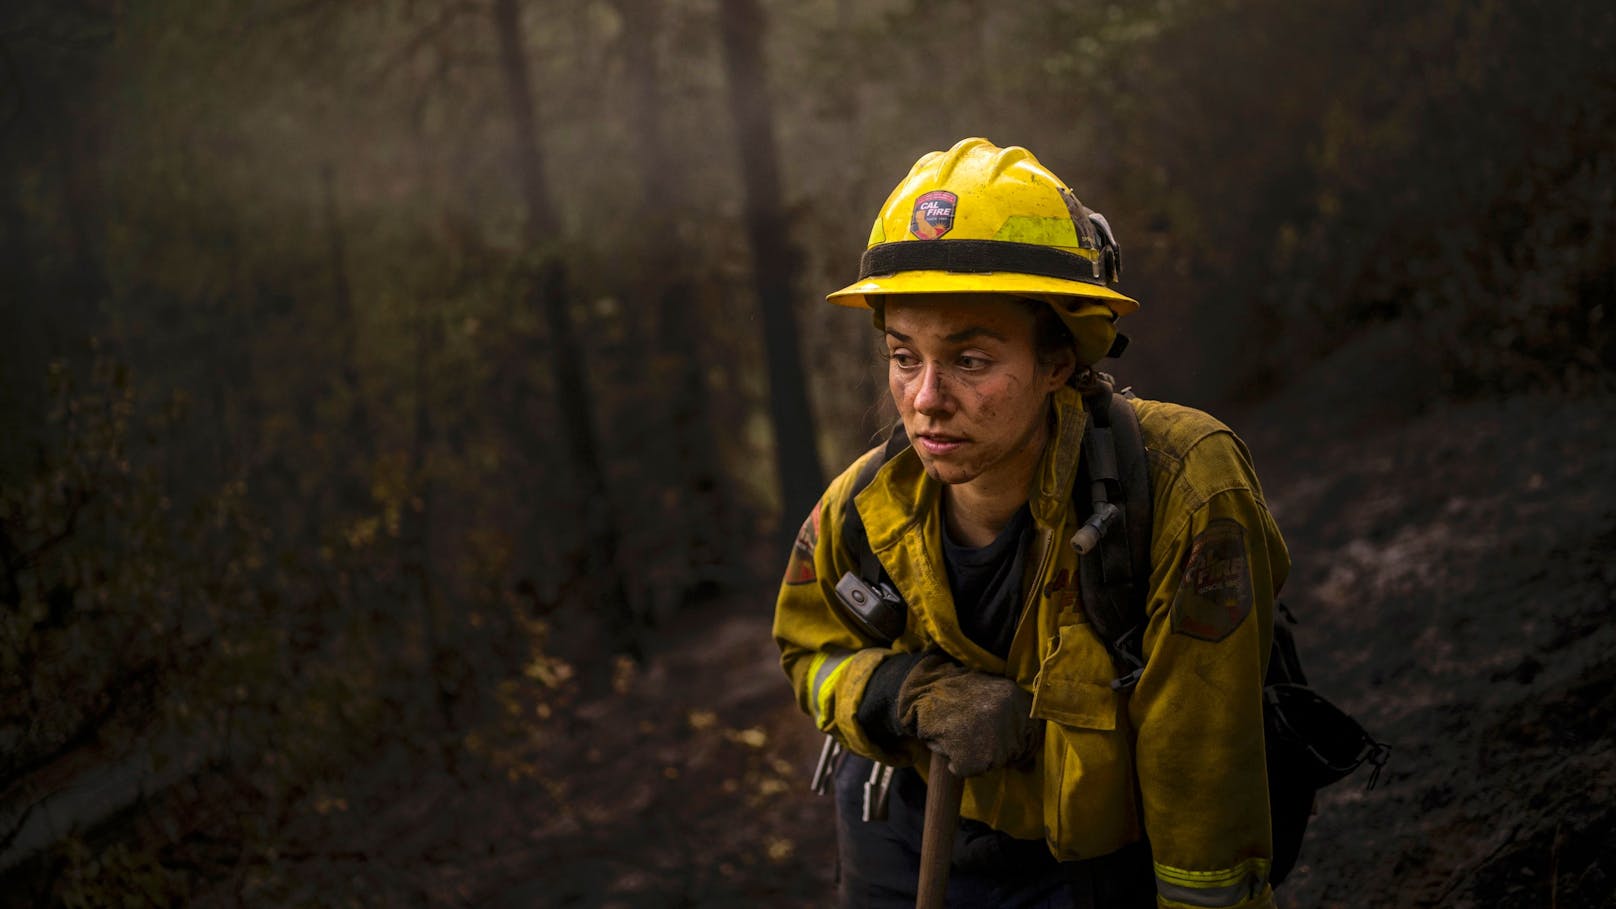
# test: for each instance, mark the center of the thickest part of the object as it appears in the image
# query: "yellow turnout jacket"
(1181, 756)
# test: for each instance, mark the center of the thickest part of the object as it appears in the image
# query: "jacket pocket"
(1073, 687)
(1089, 804)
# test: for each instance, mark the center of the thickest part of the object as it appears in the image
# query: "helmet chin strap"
(1118, 345)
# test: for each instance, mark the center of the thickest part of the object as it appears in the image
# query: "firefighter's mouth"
(937, 443)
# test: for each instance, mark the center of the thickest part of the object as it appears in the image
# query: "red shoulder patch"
(800, 568)
(1214, 595)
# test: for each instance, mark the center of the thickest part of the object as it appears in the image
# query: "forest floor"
(1455, 570)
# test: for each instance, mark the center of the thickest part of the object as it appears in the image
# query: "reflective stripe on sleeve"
(823, 672)
(1228, 887)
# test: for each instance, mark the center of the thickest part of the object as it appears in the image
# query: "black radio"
(877, 611)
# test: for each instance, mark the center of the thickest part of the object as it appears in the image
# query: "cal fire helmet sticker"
(800, 569)
(934, 214)
(1214, 595)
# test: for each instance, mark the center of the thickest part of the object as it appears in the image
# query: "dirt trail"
(1454, 576)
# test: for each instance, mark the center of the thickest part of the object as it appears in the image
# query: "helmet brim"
(930, 282)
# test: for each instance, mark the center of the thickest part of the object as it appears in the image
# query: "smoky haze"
(407, 407)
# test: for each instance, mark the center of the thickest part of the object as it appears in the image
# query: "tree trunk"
(84, 210)
(438, 623)
(676, 331)
(774, 263)
(547, 292)
(353, 487)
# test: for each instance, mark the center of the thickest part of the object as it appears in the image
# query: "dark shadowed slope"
(1455, 576)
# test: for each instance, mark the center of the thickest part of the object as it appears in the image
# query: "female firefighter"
(992, 286)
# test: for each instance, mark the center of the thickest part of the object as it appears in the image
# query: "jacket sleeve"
(828, 662)
(1218, 562)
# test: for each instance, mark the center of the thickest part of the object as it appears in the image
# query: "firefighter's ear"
(1059, 368)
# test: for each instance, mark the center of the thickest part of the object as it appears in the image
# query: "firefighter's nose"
(932, 396)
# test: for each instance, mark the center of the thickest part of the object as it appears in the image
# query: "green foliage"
(120, 877)
(153, 625)
(1468, 192)
(1447, 168)
(82, 539)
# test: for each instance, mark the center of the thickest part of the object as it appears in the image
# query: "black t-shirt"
(986, 583)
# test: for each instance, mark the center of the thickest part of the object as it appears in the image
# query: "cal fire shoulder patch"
(1214, 596)
(800, 569)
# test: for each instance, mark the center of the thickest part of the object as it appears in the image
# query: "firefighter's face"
(965, 374)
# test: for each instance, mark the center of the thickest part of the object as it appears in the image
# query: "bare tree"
(547, 293)
(774, 262)
(665, 277)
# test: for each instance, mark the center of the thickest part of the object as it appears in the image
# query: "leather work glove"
(975, 720)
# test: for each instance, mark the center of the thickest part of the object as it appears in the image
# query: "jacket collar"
(1057, 470)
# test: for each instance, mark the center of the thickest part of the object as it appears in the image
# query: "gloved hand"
(975, 720)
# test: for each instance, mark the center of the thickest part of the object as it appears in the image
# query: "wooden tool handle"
(943, 793)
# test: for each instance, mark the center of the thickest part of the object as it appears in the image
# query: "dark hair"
(1050, 335)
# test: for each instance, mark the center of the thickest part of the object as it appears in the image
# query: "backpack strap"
(1114, 541)
(853, 532)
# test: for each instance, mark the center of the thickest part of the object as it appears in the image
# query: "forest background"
(385, 386)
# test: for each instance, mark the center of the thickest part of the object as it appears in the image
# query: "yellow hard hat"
(983, 219)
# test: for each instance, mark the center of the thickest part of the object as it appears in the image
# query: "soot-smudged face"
(963, 370)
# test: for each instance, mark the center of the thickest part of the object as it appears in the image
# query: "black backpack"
(1310, 743)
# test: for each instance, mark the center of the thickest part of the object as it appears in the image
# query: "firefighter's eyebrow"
(975, 331)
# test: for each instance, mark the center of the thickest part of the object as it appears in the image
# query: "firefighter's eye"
(903, 359)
